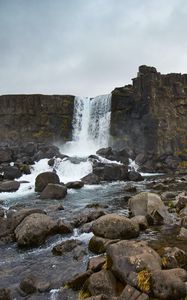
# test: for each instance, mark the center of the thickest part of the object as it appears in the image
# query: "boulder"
(66, 246)
(141, 221)
(77, 282)
(126, 259)
(53, 191)
(98, 245)
(181, 200)
(130, 293)
(135, 176)
(87, 216)
(5, 155)
(169, 284)
(75, 184)
(11, 172)
(102, 282)
(149, 205)
(173, 257)
(95, 264)
(34, 229)
(91, 179)
(29, 285)
(111, 172)
(44, 178)
(9, 186)
(113, 226)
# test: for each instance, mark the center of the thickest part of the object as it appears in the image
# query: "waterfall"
(91, 125)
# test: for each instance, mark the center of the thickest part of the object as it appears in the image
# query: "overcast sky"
(87, 47)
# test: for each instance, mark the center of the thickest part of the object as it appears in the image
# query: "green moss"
(144, 281)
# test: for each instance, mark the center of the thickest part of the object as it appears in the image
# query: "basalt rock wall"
(149, 118)
(38, 118)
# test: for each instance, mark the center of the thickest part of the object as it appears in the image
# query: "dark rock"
(66, 246)
(102, 282)
(95, 264)
(25, 169)
(53, 191)
(75, 184)
(87, 227)
(29, 285)
(111, 172)
(9, 186)
(63, 228)
(169, 284)
(4, 294)
(5, 155)
(135, 176)
(51, 162)
(127, 258)
(34, 229)
(87, 216)
(181, 200)
(130, 293)
(105, 152)
(78, 280)
(98, 245)
(11, 173)
(113, 226)
(149, 205)
(91, 179)
(43, 179)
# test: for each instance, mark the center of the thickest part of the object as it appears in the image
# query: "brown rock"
(43, 179)
(53, 191)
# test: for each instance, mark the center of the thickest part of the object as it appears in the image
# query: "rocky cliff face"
(149, 118)
(38, 118)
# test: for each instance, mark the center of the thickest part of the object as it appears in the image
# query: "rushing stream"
(91, 126)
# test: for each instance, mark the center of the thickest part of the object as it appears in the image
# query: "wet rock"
(79, 252)
(113, 226)
(168, 196)
(102, 282)
(14, 218)
(130, 293)
(114, 155)
(25, 169)
(98, 245)
(66, 246)
(181, 200)
(63, 228)
(11, 173)
(130, 189)
(160, 187)
(78, 280)
(182, 234)
(34, 229)
(51, 162)
(96, 205)
(105, 152)
(53, 191)
(111, 172)
(135, 176)
(87, 217)
(95, 264)
(141, 221)
(4, 294)
(127, 258)
(9, 186)
(173, 257)
(5, 155)
(43, 179)
(75, 184)
(29, 285)
(169, 284)
(87, 227)
(149, 205)
(91, 179)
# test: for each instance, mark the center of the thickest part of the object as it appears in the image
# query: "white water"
(91, 126)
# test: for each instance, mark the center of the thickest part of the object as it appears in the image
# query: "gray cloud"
(86, 47)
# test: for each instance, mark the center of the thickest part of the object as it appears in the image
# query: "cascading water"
(91, 125)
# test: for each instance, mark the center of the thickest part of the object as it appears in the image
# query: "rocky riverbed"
(115, 234)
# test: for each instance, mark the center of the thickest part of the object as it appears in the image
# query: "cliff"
(38, 118)
(149, 118)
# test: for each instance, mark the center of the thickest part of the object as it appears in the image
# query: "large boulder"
(53, 191)
(11, 172)
(113, 226)
(9, 186)
(127, 258)
(44, 178)
(111, 172)
(135, 176)
(34, 229)
(149, 205)
(169, 284)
